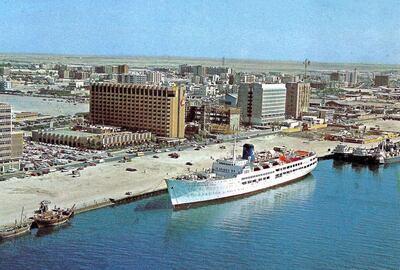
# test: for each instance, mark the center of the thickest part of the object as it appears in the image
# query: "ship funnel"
(248, 152)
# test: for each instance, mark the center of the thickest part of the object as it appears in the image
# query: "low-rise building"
(91, 138)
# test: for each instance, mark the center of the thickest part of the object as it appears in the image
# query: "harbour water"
(342, 216)
(49, 106)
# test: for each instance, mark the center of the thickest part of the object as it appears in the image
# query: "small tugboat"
(342, 152)
(363, 155)
(388, 152)
(50, 218)
(18, 229)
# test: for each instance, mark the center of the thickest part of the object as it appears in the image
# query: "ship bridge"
(228, 167)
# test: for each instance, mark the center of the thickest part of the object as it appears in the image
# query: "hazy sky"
(333, 31)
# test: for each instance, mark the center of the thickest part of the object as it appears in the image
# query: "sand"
(111, 180)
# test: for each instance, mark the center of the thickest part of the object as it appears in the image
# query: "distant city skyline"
(323, 31)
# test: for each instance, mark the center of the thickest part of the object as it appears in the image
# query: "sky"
(346, 31)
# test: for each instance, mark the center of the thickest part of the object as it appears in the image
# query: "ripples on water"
(341, 216)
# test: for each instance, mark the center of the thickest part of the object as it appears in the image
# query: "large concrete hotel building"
(160, 110)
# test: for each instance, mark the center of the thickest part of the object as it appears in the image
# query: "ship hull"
(185, 194)
(342, 156)
(44, 224)
(233, 197)
(15, 233)
(392, 160)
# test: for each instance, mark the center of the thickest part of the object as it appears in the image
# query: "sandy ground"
(111, 180)
(389, 125)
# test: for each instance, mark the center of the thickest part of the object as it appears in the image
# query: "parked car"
(189, 163)
(131, 169)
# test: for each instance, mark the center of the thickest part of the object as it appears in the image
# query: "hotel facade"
(160, 110)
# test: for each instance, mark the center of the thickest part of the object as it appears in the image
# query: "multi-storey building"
(123, 69)
(217, 119)
(154, 77)
(5, 135)
(297, 99)
(335, 76)
(160, 110)
(4, 71)
(262, 104)
(381, 80)
(5, 85)
(135, 78)
(183, 69)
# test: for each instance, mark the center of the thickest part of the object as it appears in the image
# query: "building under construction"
(214, 118)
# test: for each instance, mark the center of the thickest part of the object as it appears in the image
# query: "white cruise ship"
(248, 174)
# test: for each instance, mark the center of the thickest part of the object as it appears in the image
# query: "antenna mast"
(306, 64)
(234, 149)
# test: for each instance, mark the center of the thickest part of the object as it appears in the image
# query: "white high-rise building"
(262, 104)
(5, 85)
(5, 135)
(154, 77)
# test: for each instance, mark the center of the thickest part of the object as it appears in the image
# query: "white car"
(11, 170)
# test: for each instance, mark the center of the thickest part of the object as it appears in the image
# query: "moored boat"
(19, 228)
(342, 152)
(50, 218)
(14, 231)
(363, 155)
(237, 177)
(387, 152)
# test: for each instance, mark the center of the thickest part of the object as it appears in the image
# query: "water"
(340, 217)
(48, 106)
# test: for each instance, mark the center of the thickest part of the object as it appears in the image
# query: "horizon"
(116, 56)
(322, 31)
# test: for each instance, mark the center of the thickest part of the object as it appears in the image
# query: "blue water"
(340, 217)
